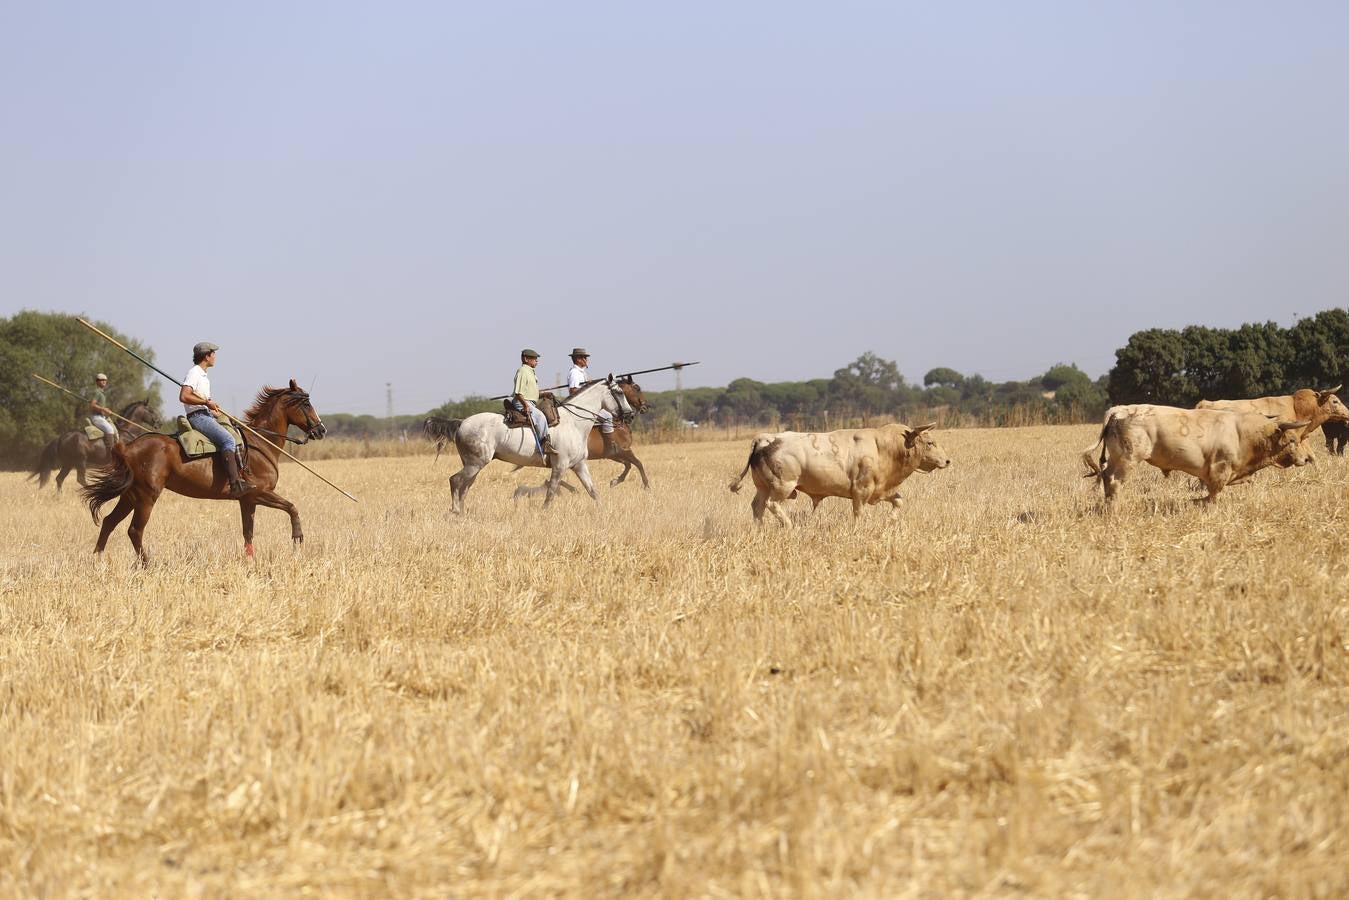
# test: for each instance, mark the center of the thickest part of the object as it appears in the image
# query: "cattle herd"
(1219, 442)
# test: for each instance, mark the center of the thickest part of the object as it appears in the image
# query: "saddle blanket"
(196, 444)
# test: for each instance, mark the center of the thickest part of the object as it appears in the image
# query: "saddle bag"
(195, 444)
(516, 418)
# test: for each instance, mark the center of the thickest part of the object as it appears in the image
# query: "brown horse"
(142, 470)
(74, 450)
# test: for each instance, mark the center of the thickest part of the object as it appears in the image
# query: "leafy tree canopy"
(57, 347)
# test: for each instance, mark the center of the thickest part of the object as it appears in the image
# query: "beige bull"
(1219, 447)
(865, 465)
(1313, 407)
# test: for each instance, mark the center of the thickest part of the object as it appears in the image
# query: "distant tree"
(943, 377)
(1061, 375)
(1150, 368)
(55, 346)
(869, 384)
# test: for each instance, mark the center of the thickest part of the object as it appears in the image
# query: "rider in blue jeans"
(195, 396)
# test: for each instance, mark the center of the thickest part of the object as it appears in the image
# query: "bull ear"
(912, 434)
(1284, 426)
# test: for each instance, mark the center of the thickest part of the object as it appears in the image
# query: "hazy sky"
(366, 193)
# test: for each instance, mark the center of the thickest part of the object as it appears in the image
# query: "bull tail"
(1089, 454)
(758, 451)
(109, 482)
(46, 463)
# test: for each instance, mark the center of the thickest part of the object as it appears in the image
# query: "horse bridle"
(614, 391)
(311, 425)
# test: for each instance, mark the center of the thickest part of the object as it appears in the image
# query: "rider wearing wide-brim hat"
(195, 395)
(525, 397)
(576, 380)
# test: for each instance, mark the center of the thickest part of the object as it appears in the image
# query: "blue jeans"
(102, 424)
(537, 417)
(203, 421)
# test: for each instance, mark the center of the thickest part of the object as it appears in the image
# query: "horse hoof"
(248, 550)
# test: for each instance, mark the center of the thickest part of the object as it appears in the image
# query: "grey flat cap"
(203, 348)
(528, 352)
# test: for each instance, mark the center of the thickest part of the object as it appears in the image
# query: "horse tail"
(113, 480)
(441, 430)
(46, 462)
(757, 451)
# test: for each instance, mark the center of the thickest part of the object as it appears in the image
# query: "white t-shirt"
(576, 377)
(201, 386)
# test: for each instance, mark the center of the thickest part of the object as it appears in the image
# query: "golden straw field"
(1003, 692)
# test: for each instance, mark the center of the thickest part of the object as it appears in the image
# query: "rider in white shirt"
(195, 395)
(576, 379)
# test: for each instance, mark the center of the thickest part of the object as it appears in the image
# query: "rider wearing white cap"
(98, 412)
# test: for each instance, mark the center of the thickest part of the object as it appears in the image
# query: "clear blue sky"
(366, 193)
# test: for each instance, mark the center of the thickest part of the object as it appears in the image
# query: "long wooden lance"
(235, 419)
(557, 387)
(86, 400)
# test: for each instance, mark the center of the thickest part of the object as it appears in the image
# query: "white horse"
(484, 437)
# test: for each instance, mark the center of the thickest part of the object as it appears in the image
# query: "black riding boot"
(238, 487)
(109, 441)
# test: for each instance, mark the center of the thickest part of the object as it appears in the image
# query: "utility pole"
(388, 406)
(679, 392)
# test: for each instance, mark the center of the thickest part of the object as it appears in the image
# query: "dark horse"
(142, 470)
(73, 450)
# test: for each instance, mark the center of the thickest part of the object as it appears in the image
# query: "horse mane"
(126, 410)
(268, 397)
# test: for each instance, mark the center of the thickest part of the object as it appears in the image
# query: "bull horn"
(1284, 426)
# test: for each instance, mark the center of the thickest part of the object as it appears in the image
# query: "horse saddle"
(516, 418)
(195, 444)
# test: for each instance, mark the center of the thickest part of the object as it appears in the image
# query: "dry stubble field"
(1003, 692)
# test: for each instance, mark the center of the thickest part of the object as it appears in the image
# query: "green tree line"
(1182, 367)
(57, 347)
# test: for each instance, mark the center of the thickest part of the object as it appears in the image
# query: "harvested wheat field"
(1002, 692)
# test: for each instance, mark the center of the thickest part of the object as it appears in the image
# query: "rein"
(587, 415)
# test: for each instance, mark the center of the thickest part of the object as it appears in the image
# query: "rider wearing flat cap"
(525, 397)
(576, 379)
(195, 395)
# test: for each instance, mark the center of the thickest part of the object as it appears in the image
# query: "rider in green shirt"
(99, 411)
(525, 395)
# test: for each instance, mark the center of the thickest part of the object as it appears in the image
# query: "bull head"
(1287, 447)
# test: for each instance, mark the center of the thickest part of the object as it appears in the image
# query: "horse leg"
(554, 480)
(273, 500)
(583, 475)
(139, 520)
(246, 510)
(61, 476)
(123, 508)
(460, 482)
(641, 469)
